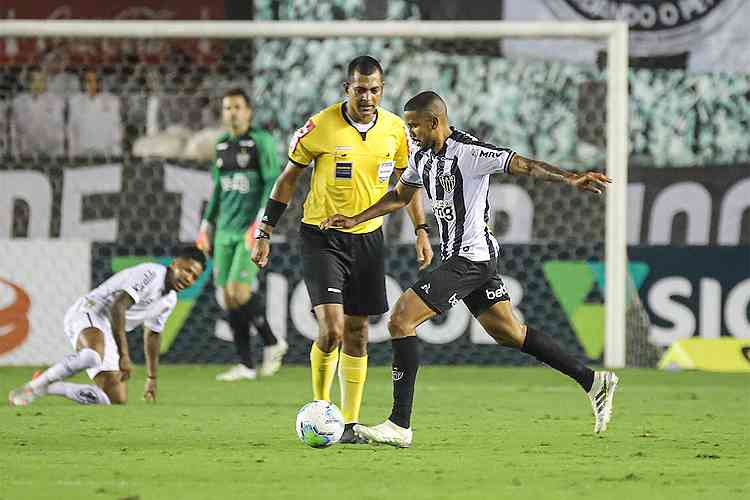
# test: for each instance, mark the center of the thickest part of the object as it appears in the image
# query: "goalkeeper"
(245, 169)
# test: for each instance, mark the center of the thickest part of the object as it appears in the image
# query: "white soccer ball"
(319, 424)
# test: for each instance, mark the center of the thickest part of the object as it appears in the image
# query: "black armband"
(274, 211)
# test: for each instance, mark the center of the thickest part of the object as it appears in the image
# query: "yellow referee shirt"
(352, 169)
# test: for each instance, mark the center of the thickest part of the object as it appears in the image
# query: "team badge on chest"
(243, 158)
(448, 182)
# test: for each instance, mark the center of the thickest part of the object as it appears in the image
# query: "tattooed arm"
(587, 181)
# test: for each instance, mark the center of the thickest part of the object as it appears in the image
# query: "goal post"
(616, 250)
(612, 35)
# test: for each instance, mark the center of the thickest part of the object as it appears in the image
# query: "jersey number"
(238, 182)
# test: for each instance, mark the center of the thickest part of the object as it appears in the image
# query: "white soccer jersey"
(145, 284)
(457, 181)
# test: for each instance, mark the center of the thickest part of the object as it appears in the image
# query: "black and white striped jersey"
(457, 183)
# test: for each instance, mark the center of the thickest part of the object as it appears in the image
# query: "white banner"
(39, 280)
(713, 34)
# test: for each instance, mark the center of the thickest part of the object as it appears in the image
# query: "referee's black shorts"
(344, 268)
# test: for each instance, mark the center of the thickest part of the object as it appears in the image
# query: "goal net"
(107, 131)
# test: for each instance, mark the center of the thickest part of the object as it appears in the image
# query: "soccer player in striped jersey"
(356, 146)
(454, 169)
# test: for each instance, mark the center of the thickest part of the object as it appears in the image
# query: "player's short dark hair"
(237, 92)
(364, 65)
(426, 101)
(192, 253)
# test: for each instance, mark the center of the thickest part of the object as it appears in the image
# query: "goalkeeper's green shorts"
(232, 262)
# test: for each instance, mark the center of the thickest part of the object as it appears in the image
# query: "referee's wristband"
(426, 228)
(274, 211)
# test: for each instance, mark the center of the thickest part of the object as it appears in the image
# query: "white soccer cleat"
(385, 433)
(23, 396)
(272, 356)
(602, 395)
(237, 372)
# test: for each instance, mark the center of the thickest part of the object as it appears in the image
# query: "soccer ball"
(319, 424)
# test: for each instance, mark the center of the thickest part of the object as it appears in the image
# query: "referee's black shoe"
(348, 437)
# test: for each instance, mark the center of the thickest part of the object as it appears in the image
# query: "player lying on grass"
(454, 169)
(96, 326)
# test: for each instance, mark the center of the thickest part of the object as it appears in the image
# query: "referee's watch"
(426, 228)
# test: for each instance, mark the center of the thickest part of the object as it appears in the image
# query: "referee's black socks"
(548, 351)
(404, 374)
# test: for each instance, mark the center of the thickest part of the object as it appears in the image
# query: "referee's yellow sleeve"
(299, 150)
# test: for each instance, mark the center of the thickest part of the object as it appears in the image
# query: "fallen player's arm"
(151, 346)
(594, 182)
(391, 201)
(119, 308)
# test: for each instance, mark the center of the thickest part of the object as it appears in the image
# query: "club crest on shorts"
(448, 181)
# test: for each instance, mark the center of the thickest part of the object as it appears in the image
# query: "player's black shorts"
(476, 283)
(344, 268)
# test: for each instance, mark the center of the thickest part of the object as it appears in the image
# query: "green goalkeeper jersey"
(244, 171)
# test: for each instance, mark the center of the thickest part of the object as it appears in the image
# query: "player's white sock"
(86, 394)
(82, 360)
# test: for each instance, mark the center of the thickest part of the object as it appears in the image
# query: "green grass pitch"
(479, 433)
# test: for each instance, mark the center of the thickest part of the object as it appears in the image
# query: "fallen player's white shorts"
(79, 317)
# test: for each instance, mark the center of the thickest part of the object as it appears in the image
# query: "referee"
(356, 146)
